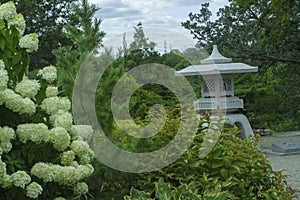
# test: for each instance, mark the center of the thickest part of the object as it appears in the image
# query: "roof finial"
(216, 57)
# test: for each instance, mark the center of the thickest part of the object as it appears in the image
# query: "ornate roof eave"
(216, 64)
(209, 69)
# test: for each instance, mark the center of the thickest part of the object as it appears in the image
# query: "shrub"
(41, 153)
(234, 169)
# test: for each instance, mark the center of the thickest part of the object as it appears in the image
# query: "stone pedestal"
(242, 122)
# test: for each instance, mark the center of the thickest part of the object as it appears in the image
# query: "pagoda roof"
(216, 64)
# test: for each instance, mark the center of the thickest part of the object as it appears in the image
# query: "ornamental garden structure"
(217, 89)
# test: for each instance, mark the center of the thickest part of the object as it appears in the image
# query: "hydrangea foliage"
(42, 154)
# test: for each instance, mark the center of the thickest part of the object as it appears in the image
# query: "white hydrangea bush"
(69, 140)
(39, 121)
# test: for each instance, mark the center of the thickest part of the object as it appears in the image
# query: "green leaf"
(138, 195)
(216, 196)
(17, 58)
(224, 173)
(2, 43)
(185, 191)
(163, 190)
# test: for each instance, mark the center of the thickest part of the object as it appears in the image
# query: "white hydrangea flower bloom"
(51, 91)
(17, 103)
(62, 119)
(52, 105)
(83, 151)
(6, 181)
(27, 106)
(34, 132)
(84, 170)
(41, 170)
(74, 163)
(82, 132)
(28, 88)
(7, 134)
(2, 168)
(64, 175)
(60, 138)
(19, 23)
(81, 188)
(11, 96)
(67, 157)
(29, 42)
(33, 190)
(2, 65)
(85, 159)
(5, 147)
(3, 79)
(2, 97)
(20, 179)
(8, 11)
(71, 175)
(48, 73)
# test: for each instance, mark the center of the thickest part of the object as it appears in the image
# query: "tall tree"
(140, 39)
(85, 36)
(46, 18)
(263, 30)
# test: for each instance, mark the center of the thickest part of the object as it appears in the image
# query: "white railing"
(224, 103)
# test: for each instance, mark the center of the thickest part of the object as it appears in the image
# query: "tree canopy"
(85, 36)
(267, 31)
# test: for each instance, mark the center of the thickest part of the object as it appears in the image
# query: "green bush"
(234, 169)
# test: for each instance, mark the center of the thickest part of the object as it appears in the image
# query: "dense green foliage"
(265, 34)
(234, 169)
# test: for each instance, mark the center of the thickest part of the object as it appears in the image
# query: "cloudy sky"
(120, 16)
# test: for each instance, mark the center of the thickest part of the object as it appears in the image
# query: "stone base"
(286, 147)
(242, 122)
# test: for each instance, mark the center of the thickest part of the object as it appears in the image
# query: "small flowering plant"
(42, 154)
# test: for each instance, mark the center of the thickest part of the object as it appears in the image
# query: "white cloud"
(120, 16)
(216, 4)
(112, 12)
